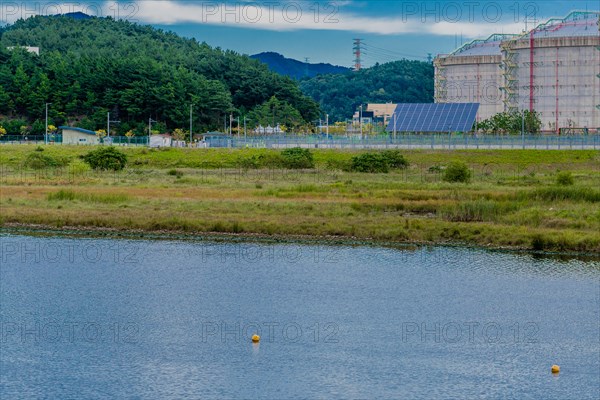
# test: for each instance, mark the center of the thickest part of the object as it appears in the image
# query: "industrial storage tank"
(555, 70)
(472, 74)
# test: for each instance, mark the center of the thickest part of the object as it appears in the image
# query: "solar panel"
(433, 117)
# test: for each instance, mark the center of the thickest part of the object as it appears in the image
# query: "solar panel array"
(433, 117)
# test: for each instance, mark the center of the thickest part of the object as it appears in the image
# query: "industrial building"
(553, 69)
(72, 135)
(472, 74)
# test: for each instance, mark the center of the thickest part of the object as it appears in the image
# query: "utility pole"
(230, 123)
(191, 136)
(150, 121)
(361, 122)
(108, 121)
(46, 135)
(327, 124)
(238, 126)
(523, 128)
(245, 133)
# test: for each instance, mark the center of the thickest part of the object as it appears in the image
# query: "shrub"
(565, 178)
(297, 158)
(380, 162)
(106, 158)
(457, 172)
(38, 160)
(370, 163)
(394, 159)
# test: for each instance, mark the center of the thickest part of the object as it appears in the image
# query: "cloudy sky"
(323, 31)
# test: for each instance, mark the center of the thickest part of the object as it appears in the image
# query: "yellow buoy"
(255, 338)
(555, 369)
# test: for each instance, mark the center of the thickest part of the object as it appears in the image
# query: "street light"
(361, 123)
(191, 137)
(46, 135)
(523, 128)
(108, 121)
(150, 121)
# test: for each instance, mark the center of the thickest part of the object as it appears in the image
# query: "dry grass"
(504, 208)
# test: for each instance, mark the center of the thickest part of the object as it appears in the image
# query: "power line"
(392, 53)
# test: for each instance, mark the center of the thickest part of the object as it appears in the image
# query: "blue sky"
(323, 31)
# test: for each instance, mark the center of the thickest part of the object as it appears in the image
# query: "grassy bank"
(513, 199)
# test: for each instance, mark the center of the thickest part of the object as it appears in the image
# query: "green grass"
(512, 201)
(70, 195)
(563, 193)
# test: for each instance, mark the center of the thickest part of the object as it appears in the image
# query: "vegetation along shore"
(521, 199)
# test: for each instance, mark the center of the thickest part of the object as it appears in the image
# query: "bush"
(39, 160)
(565, 178)
(370, 163)
(394, 159)
(106, 158)
(297, 158)
(457, 172)
(380, 162)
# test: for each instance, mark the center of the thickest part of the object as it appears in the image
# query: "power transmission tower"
(357, 54)
(306, 61)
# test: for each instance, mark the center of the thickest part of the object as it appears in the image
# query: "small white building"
(72, 135)
(160, 141)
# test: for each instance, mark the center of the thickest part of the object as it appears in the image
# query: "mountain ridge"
(297, 69)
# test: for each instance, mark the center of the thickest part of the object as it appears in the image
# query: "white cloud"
(269, 15)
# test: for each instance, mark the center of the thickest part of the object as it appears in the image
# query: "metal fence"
(451, 142)
(57, 139)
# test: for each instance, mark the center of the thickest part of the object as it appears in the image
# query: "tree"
(2, 131)
(275, 112)
(179, 134)
(511, 123)
(101, 134)
(129, 134)
(92, 66)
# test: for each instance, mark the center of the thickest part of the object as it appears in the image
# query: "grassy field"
(512, 201)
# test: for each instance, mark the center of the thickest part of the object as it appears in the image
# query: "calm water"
(90, 318)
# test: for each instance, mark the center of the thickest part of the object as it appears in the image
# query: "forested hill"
(402, 81)
(297, 69)
(88, 67)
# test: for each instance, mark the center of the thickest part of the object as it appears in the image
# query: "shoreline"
(159, 235)
(512, 201)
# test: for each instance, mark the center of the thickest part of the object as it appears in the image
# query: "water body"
(95, 318)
